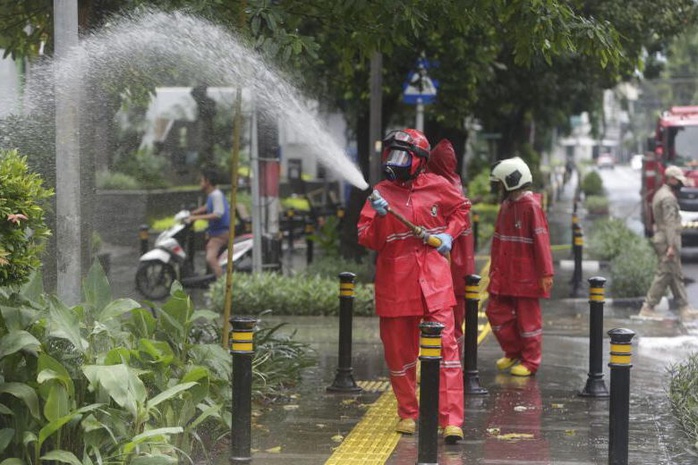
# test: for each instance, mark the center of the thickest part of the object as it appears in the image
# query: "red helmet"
(405, 154)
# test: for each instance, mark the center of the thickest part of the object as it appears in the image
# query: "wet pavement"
(538, 420)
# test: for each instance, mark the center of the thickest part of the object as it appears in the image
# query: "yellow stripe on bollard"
(596, 294)
(621, 354)
(578, 240)
(242, 342)
(472, 292)
(430, 346)
(346, 289)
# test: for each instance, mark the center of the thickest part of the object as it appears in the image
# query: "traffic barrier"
(471, 376)
(595, 385)
(290, 215)
(309, 231)
(578, 250)
(430, 359)
(344, 379)
(619, 408)
(242, 350)
(143, 235)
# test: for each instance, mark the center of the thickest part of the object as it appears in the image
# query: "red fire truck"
(675, 142)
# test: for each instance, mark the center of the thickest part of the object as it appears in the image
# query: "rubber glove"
(446, 243)
(378, 203)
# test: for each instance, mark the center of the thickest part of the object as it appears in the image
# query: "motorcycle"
(172, 258)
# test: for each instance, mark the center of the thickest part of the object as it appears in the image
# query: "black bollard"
(476, 230)
(309, 243)
(344, 379)
(619, 408)
(577, 248)
(143, 234)
(471, 376)
(595, 386)
(242, 350)
(430, 359)
(291, 217)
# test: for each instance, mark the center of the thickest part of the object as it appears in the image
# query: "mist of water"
(179, 49)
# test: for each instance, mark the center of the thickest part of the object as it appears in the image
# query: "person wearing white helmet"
(521, 269)
(667, 245)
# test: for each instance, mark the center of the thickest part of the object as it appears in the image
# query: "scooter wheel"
(154, 279)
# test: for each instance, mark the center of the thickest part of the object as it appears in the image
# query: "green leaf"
(65, 324)
(169, 393)
(117, 308)
(58, 402)
(160, 433)
(96, 288)
(61, 456)
(25, 393)
(120, 383)
(53, 426)
(50, 368)
(15, 341)
(6, 435)
(12, 461)
(158, 459)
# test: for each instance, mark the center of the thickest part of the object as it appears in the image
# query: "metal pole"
(257, 209)
(595, 385)
(143, 235)
(344, 379)
(430, 359)
(419, 123)
(471, 376)
(619, 409)
(309, 243)
(577, 248)
(375, 118)
(242, 350)
(68, 187)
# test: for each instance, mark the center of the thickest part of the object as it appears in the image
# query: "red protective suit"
(520, 258)
(413, 282)
(442, 161)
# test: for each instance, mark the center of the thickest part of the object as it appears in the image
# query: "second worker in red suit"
(442, 161)
(521, 269)
(413, 279)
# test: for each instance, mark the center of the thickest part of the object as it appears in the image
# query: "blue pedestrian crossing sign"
(419, 87)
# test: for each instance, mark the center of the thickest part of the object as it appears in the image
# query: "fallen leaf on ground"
(338, 438)
(274, 450)
(291, 407)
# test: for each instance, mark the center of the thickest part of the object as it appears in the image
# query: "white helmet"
(513, 173)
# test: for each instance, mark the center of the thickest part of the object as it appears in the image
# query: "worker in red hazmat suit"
(442, 161)
(521, 269)
(413, 279)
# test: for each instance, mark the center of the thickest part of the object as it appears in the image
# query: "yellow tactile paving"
(373, 439)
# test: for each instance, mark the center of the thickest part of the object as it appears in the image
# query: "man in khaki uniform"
(667, 244)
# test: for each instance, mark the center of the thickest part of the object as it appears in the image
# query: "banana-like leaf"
(117, 308)
(55, 425)
(65, 324)
(25, 393)
(58, 402)
(61, 456)
(120, 383)
(17, 340)
(169, 393)
(159, 459)
(6, 435)
(96, 288)
(12, 461)
(160, 435)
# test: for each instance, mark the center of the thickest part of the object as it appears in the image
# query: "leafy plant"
(327, 266)
(592, 184)
(116, 181)
(609, 237)
(144, 166)
(633, 268)
(110, 381)
(596, 204)
(22, 226)
(327, 237)
(289, 295)
(683, 395)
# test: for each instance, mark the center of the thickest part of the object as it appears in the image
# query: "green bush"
(116, 181)
(608, 238)
(683, 395)
(487, 216)
(21, 239)
(596, 204)
(592, 184)
(633, 268)
(148, 169)
(288, 295)
(329, 266)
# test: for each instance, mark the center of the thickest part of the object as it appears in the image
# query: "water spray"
(418, 231)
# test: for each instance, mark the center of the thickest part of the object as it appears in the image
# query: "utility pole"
(375, 118)
(68, 189)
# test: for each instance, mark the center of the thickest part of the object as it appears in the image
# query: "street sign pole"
(419, 124)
